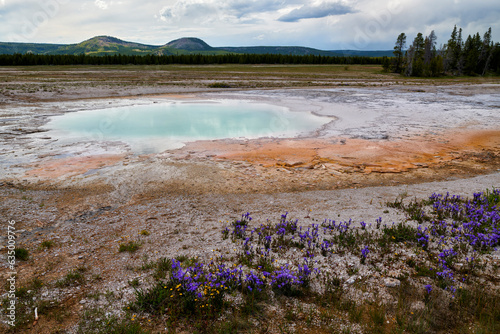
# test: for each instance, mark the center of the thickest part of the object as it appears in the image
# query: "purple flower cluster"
(364, 254)
(287, 226)
(457, 227)
(240, 226)
(326, 247)
(309, 237)
(472, 225)
(447, 278)
(422, 237)
(200, 281)
(341, 227)
(285, 279)
(255, 281)
(365, 251)
(476, 222)
(446, 256)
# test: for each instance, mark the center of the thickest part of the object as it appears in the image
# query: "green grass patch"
(400, 232)
(96, 321)
(219, 85)
(130, 246)
(21, 254)
(72, 278)
(47, 244)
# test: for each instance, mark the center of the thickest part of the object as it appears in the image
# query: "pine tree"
(419, 45)
(409, 59)
(486, 53)
(450, 60)
(471, 54)
(398, 52)
(415, 57)
(430, 47)
(458, 54)
(495, 58)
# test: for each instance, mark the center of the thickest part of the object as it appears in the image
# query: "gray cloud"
(244, 7)
(310, 12)
(229, 10)
(371, 24)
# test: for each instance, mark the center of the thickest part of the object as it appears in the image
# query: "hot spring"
(157, 127)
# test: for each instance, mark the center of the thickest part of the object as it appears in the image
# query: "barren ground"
(404, 136)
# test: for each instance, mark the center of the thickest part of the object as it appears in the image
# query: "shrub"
(219, 85)
(21, 254)
(73, 277)
(131, 247)
(47, 244)
(400, 232)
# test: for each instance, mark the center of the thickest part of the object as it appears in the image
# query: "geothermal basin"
(252, 141)
(153, 128)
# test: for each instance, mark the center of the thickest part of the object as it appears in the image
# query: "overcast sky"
(327, 25)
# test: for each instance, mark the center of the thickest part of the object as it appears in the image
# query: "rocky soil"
(74, 205)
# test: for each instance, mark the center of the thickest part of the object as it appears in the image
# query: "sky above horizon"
(326, 25)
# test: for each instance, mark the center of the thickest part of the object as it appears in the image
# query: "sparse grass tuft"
(377, 316)
(130, 246)
(163, 267)
(134, 283)
(47, 244)
(97, 321)
(219, 85)
(400, 233)
(72, 278)
(144, 232)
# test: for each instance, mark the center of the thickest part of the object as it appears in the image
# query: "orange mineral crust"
(468, 150)
(72, 166)
(369, 155)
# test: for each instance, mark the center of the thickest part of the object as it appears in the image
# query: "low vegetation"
(72, 278)
(444, 258)
(21, 254)
(431, 273)
(130, 246)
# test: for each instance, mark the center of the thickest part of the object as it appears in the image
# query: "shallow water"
(157, 127)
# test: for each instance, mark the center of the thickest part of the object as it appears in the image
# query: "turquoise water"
(156, 127)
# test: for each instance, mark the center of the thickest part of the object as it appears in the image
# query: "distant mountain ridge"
(286, 50)
(107, 45)
(190, 43)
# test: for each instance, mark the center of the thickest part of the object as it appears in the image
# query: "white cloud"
(191, 10)
(101, 4)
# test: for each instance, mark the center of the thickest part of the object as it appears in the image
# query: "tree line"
(474, 56)
(30, 59)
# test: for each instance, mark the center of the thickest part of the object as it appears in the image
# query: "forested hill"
(12, 48)
(109, 46)
(283, 50)
(303, 51)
